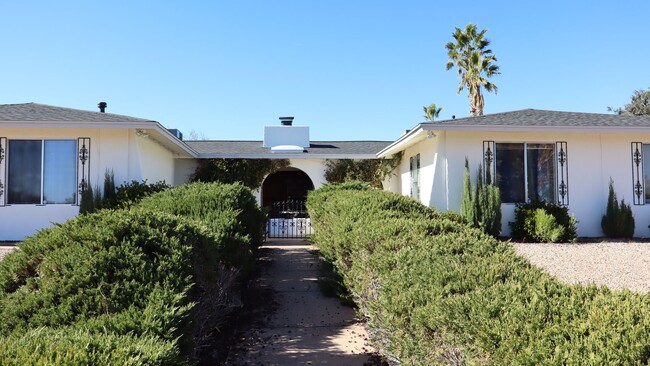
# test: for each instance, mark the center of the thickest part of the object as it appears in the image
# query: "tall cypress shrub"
(466, 205)
(618, 221)
(482, 208)
(87, 204)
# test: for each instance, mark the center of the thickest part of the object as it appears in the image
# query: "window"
(526, 172)
(415, 176)
(42, 172)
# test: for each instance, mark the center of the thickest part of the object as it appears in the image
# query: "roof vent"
(287, 149)
(178, 134)
(286, 121)
(102, 106)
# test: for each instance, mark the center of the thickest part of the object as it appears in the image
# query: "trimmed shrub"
(618, 221)
(228, 209)
(116, 266)
(436, 291)
(526, 228)
(144, 272)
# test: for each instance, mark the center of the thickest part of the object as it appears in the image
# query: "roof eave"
(406, 140)
(284, 156)
(508, 128)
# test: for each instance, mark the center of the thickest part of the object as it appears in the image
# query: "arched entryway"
(284, 194)
(289, 184)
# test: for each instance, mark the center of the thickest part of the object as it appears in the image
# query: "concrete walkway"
(302, 326)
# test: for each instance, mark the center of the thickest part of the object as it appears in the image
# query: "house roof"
(35, 112)
(526, 120)
(545, 118)
(317, 149)
(35, 115)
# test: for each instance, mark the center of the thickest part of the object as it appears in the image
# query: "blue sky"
(350, 70)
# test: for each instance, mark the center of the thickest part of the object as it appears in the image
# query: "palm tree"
(475, 64)
(431, 112)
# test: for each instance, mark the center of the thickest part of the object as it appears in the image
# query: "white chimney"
(286, 135)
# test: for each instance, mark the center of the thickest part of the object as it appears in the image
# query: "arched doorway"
(289, 184)
(284, 194)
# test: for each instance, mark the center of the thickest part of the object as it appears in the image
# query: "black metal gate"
(288, 219)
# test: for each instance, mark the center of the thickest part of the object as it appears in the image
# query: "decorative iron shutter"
(3, 169)
(415, 175)
(562, 178)
(490, 171)
(638, 180)
(83, 166)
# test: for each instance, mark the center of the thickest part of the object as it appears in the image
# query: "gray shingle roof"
(46, 113)
(544, 118)
(315, 148)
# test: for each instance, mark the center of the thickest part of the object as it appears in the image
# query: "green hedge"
(436, 291)
(213, 203)
(142, 272)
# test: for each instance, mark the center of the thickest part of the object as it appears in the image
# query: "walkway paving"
(303, 327)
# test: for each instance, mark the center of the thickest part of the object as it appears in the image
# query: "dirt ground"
(291, 322)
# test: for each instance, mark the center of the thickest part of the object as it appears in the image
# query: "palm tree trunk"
(476, 101)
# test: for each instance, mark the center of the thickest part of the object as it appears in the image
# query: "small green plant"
(526, 226)
(482, 208)
(546, 227)
(618, 221)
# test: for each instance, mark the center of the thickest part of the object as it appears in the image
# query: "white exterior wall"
(156, 162)
(592, 159)
(116, 149)
(432, 172)
(183, 170)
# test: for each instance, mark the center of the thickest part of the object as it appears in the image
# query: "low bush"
(436, 291)
(562, 227)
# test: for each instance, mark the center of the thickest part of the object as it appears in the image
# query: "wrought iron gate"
(288, 219)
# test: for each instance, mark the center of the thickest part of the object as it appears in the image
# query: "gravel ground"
(615, 265)
(5, 249)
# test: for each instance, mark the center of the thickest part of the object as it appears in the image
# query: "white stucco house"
(48, 153)
(562, 157)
